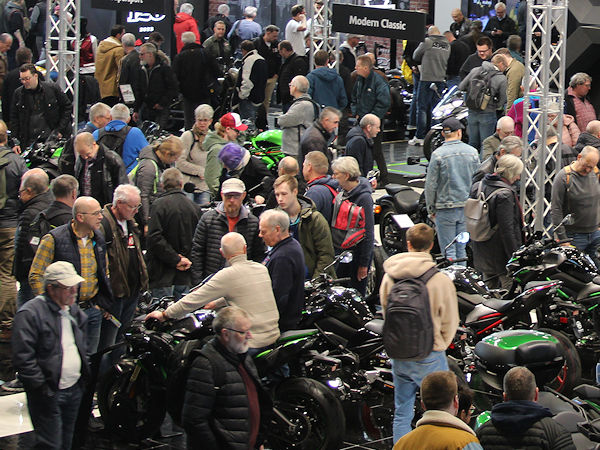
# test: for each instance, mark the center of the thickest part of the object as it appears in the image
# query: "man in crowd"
(298, 117)
(39, 108)
(185, 23)
(293, 65)
(217, 46)
(320, 187)
(285, 263)
(433, 53)
(326, 85)
(14, 17)
(6, 41)
(81, 244)
(459, 52)
(118, 136)
(131, 68)
(499, 27)
(243, 283)
(320, 134)
(173, 220)
(371, 94)
(577, 102)
(108, 59)
(591, 136)
(223, 16)
(440, 426)
(576, 191)
(348, 49)
(307, 226)
(128, 274)
(483, 53)
(505, 126)
(49, 351)
(252, 80)
(295, 30)
(245, 29)
(229, 215)
(35, 197)
(461, 25)
(160, 88)
(208, 413)
(515, 71)
(12, 82)
(359, 142)
(520, 420)
(267, 46)
(509, 145)
(482, 122)
(448, 185)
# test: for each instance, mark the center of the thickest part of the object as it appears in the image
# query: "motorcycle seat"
(497, 304)
(375, 325)
(286, 336)
(587, 391)
(408, 200)
(569, 420)
(393, 189)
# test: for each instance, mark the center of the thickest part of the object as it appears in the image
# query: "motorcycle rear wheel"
(393, 239)
(570, 376)
(134, 415)
(375, 275)
(433, 139)
(315, 410)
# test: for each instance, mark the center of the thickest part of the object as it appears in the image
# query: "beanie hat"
(234, 157)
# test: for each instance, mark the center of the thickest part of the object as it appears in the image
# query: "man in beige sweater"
(408, 375)
(245, 284)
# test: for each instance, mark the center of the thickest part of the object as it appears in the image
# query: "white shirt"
(295, 37)
(71, 361)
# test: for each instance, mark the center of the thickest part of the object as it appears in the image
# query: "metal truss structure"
(545, 59)
(321, 36)
(62, 48)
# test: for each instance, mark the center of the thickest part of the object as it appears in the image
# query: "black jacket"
(491, 256)
(524, 425)
(584, 139)
(107, 172)
(470, 63)
(23, 251)
(36, 343)
(13, 172)
(58, 213)
(271, 55)
(292, 66)
(252, 175)
(507, 25)
(57, 111)
(459, 52)
(206, 258)
(173, 220)
(315, 138)
(131, 73)
(159, 85)
(286, 267)
(360, 147)
(10, 85)
(253, 74)
(487, 166)
(194, 72)
(215, 409)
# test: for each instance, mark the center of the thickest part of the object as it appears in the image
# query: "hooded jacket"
(184, 22)
(293, 123)
(525, 425)
(442, 294)
(433, 53)
(327, 88)
(135, 141)
(497, 85)
(321, 195)
(108, 59)
(359, 146)
(362, 196)
(586, 138)
(147, 179)
(213, 143)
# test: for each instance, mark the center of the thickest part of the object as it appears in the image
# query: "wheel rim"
(311, 432)
(392, 241)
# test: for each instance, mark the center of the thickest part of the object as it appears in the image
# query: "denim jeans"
(449, 222)
(94, 324)
(200, 198)
(53, 418)
(408, 376)
(412, 112)
(480, 126)
(25, 293)
(247, 110)
(427, 99)
(588, 243)
(177, 291)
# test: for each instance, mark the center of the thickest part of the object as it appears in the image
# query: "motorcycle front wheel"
(570, 375)
(317, 415)
(393, 239)
(132, 406)
(433, 139)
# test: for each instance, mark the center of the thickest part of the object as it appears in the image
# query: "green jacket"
(315, 238)
(213, 143)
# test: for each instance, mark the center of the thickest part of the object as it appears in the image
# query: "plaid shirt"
(45, 256)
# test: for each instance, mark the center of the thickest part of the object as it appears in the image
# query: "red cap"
(233, 120)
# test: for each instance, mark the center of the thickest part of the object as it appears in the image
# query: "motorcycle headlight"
(336, 383)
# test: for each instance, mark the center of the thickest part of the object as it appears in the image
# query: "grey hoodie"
(298, 118)
(433, 53)
(497, 84)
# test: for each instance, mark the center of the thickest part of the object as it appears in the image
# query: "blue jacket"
(321, 195)
(370, 95)
(360, 147)
(362, 195)
(449, 175)
(327, 88)
(134, 142)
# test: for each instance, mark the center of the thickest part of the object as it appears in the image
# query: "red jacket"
(184, 22)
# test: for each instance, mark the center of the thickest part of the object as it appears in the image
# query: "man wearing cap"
(81, 244)
(230, 215)
(448, 183)
(49, 352)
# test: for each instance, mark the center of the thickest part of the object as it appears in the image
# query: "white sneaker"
(415, 141)
(411, 127)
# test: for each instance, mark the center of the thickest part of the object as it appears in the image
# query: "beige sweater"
(442, 294)
(245, 284)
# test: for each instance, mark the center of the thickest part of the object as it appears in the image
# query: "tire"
(433, 139)
(133, 415)
(315, 410)
(565, 382)
(393, 239)
(375, 275)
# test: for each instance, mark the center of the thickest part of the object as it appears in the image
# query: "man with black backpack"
(421, 316)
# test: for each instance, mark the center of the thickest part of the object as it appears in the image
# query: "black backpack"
(40, 227)
(113, 140)
(408, 327)
(479, 92)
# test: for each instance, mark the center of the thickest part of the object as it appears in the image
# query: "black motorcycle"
(44, 153)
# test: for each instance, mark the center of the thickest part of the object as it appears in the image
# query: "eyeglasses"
(25, 78)
(242, 333)
(232, 195)
(95, 213)
(134, 207)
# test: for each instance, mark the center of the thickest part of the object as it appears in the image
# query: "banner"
(130, 5)
(389, 23)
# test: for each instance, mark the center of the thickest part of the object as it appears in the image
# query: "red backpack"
(347, 221)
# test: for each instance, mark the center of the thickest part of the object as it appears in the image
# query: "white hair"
(120, 112)
(276, 217)
(98, 109)
(223, 9)
(509, 166)
(128, 40)
(250, 11)
(187, 8)
(124, 192)
(204, 111)
(188, 37)
(347, 164)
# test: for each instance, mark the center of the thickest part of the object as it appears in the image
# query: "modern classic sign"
(130, 5)
(390, 23)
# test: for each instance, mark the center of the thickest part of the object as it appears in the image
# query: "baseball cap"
(233, 186)
(452, 124)
(62, 272)
(233, 120)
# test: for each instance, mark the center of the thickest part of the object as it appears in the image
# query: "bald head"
(288, 166)
(33, 182)
(85, 145)
(85, 205)
(232, 244)
(593, 127)
(433, 31)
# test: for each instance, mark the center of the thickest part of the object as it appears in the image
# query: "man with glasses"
(483, 53)
(39, 109)
(81, 244)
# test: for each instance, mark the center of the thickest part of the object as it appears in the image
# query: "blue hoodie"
(327, 88)
(134, 142)
(321, 195)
